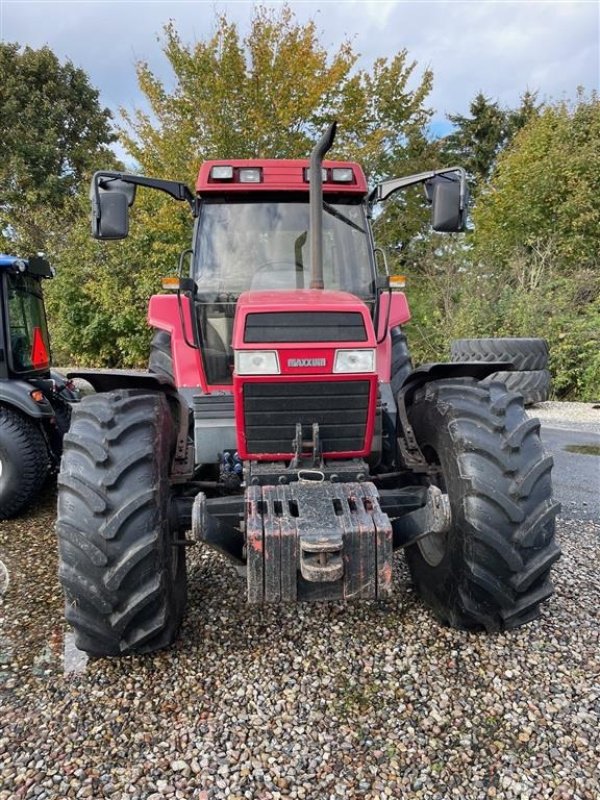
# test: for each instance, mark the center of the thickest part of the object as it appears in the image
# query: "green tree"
(53, 131)
(534, 265)
(478, 139)
(546, 188)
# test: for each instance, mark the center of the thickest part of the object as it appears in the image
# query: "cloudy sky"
(501, 47)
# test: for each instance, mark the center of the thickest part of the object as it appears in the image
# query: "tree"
(546, 187)
(53, 132)
(478, 139)
(268, 94)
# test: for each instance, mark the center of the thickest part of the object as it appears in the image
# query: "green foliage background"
(529, 266)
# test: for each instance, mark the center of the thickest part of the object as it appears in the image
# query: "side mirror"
(111, 198)
(448, 196)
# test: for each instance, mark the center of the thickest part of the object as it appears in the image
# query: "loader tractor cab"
(281, 423)
(34, 400)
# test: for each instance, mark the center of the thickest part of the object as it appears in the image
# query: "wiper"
(338, 215)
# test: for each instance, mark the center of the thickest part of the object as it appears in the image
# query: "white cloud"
(501, 48)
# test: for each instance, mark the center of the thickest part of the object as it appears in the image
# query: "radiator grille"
(305, 326)
(271, 411)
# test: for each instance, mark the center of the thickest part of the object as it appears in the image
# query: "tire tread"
(508, 512)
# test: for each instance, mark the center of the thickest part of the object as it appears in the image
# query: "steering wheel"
(277, 265)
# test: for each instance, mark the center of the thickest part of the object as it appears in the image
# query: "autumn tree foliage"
(270, 93)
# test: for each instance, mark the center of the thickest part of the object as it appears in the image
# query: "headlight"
(362, 360)
(256, 362)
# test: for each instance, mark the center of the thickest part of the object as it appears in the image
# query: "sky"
(500, 47)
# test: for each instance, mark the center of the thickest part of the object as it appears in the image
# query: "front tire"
(491, 569)
(123, 576)
(534, 386)
(24, 461)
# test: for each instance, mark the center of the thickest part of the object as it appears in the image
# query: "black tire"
(401, 360)
(525, 354)
(161, 357)
(24, 461)
(490, 570)
(533, 386)
(124, 580)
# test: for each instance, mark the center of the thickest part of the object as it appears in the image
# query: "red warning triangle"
(39, 352)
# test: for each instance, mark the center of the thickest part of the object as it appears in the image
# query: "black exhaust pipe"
(316, 206)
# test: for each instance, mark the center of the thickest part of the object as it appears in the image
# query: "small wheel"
(24, 461)
(491, 569)
(123, 576)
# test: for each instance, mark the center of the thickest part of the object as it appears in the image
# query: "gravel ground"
(310, 701)
(571, 415)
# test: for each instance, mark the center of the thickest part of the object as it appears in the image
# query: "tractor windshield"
(265, 245)
(28, 330)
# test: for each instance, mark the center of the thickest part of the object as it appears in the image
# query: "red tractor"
(281, 423)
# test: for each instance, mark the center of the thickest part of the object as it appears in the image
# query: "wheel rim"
(433, 547)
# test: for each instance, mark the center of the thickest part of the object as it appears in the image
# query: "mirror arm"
(176, 189)
(386, 188)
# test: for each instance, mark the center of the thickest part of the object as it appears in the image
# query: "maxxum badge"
(306, 362)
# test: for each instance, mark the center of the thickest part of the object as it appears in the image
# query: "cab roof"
(280, 175)
(36, 265)
(10, 262)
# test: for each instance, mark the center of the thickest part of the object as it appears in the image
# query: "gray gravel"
(311, 701)
(570, 415)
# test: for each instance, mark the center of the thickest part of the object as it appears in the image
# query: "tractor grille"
(305, 326)
(271, 411)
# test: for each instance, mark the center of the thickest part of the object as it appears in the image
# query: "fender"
(17, 394)
(408, 446)
(182, 467)
(105, 380)
(393, 311)
(439, 371)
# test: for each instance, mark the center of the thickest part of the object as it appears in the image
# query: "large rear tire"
(491, 569)
(123, 576)
(24, 461)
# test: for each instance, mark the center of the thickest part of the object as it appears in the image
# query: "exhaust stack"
(316, 206)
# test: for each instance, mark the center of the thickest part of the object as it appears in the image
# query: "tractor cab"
(252, 235)
(35, 401)
(24, 331)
